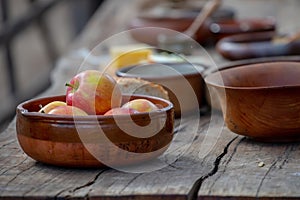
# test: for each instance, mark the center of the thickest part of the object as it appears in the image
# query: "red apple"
(67, 110)
(94, 92)
(141, 105)
(48, 107)
(121, 111)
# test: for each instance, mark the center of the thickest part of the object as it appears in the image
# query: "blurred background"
(33, 35)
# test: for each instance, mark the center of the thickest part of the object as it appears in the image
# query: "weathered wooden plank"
(23, 177)
(29, 179)
(254, 169)
(173, 182)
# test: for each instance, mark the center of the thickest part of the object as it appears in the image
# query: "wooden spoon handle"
(287, 39)
(208, 8)
(294, 37)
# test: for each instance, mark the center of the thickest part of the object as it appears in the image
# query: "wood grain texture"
(241, 173)
(229, 170)
(26, 178)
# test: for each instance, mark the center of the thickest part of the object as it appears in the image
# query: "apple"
(94, 92)
(48, 107)
(141, 105)
(121, 111)
(67, 110)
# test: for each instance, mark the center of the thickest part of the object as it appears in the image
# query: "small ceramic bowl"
(260, 101)
(183, 81)
(94, 141)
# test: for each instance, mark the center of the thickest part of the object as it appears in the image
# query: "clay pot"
(255, 45)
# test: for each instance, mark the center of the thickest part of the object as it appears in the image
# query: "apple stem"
(69, 85)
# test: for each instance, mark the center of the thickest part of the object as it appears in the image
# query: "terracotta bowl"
(79, 141)
(182, 84)
(260, 101)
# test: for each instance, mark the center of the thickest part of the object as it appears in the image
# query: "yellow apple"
(67, 110)
(48, 107)
(141, 105)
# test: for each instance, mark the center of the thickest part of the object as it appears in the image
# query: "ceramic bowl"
(260, 101)
(228, 27)
(177, 20)
(183, 81)
(80, 142)
(255, 45)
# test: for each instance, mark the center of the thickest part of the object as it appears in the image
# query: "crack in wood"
(193, 193)
(131, 181)
(228, 161)
(43, 185)
(13, 167)
(287, 153)
(201, 129)
(91, 182)
(11, 180)
(179, 128)
(72, 191)
(264, 177)
(7, 144)
(56, 197)
(285, 157)
(204, 125)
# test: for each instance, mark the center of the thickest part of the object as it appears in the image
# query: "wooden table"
(236, 167)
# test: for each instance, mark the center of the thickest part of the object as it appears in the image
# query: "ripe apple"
(67, 110)
(51, 105)
(141, 105)
(121, 111)
(94, 92)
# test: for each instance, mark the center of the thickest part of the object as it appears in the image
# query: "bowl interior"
(156, 71)
(31, 107)
(262, 75)
(183, 81)
(30, 118)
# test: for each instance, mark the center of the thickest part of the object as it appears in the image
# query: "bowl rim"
(230, 26)
(122, 73)
(245, 65)
(70, 118)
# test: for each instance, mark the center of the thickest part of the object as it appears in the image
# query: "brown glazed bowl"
(79, 142)
(260, 101)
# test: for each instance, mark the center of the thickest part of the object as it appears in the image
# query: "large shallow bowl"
(183, 81)
(80, 142)
(261, 101)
